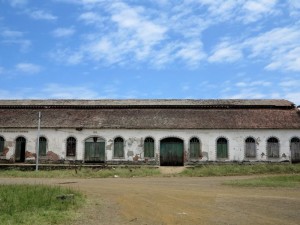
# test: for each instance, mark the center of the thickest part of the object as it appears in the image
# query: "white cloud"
(255, 9)
(279, 48)
(90, 18)
(28, 68)
(63, 32)
(23, 43)
(248, 93)
(67, 56)
(290, 83)
(294, 97)
(192, 53)
(41, 15)
(18, 3)
(11, 34)
(224, 52)
(294, 6)
(58, 91)
(253, 83)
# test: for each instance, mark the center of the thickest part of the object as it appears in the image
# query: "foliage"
(84, 173)
(273, 181)
(37, 204)
(234, 169)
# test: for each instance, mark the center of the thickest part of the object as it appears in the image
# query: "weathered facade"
(158, 132)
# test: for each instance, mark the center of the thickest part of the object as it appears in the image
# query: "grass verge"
(274, 181)
(37, 204)
(233, 170)
(84, 173)
(200, 171)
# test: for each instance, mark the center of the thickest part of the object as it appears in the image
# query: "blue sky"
(200, 49)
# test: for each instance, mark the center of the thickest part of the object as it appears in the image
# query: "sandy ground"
(183, 200)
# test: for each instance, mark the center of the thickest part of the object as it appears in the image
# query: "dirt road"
(166, 201)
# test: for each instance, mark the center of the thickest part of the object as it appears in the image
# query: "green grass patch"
(127, 172)
(37, 204)
(274, 181)
(234, 169)
(84, 173)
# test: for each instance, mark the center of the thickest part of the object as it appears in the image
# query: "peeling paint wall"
(134, 141)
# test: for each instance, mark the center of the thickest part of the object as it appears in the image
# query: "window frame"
(43, 153)
(69, 144)
(255, 150)
(227, 148)
(151, 151)
(269, 146)
(191, 143)
(118, 144)
(2, 145)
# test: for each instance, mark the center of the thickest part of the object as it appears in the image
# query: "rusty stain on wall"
(52, 156)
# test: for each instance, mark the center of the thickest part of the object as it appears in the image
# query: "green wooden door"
(94, 152)
(20, 149)
(250, 148)
(171, 152)
(295, 150)
(1, 145)
(149, 148)
(222, 148)
(43, 146)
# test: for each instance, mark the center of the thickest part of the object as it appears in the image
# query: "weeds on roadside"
(273, 181)
(36, 204)
(234, 169)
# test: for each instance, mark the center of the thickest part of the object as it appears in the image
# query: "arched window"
(195, 150)
(295, 149)
(43, 146)
(1, 145)
(273, 147)
(20, 149)
(250, 148)
(71, 146)
(118, 147)
(222, 148)
(149, 147)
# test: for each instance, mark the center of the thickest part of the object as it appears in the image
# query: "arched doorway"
(94, 150)
(20, 149)
(171, 152)
(295, 150)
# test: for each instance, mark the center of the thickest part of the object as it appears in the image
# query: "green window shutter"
(273, 148)
(250, 148)
(149, 148)
(194, 148)
(295, 149)
(119, 148)
(42, 146)
(1, 145)
(222, 148)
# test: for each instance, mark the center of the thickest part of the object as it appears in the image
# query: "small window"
(222, 148)
(1, 145)
(250, 148)
(273, 147)
(119, 147)
(71, 146)
(195, 150)
(149, 147)
(43, 146)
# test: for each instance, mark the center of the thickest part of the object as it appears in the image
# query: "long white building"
(157, 132)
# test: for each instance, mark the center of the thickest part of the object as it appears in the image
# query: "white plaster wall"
(134, 141)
